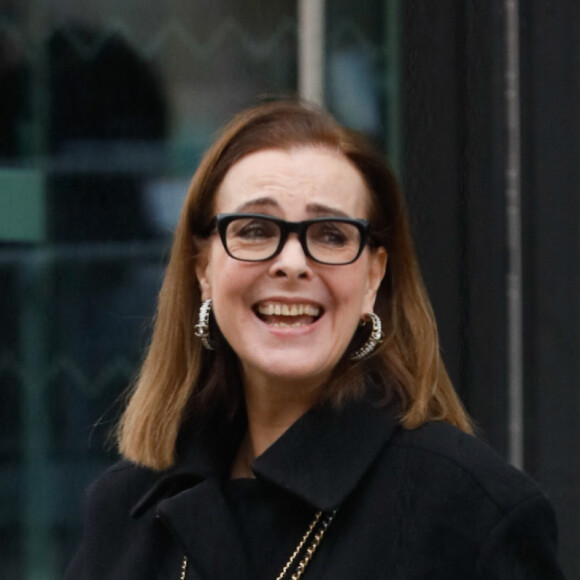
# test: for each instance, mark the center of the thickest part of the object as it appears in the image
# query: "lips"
(284, 314)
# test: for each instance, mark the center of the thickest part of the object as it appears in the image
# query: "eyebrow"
(316, 209)
(259, 202)
(325, 210)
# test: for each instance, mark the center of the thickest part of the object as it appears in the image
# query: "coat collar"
(304, 461)
(320, 459)
(323, 456)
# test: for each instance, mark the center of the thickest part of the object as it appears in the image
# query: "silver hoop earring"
(375, 338)
(201, 329)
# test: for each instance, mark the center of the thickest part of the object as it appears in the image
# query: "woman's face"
(290, 319)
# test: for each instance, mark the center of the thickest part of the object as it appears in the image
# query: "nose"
(291, 262)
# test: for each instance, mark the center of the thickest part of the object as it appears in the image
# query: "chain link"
(183, 568)
(300, 545)
(311, 548)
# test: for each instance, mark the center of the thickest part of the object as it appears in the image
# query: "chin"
(281, 371)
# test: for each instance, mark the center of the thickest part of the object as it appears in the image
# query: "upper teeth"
(288, 309)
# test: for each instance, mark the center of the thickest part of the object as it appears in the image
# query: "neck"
(271, 410)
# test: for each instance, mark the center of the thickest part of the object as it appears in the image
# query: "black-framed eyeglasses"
(253, 237)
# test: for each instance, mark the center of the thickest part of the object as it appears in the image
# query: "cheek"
(350, 287)
(220, 270)
(231, 283)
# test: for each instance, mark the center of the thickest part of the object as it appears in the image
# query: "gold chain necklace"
(314, 543)
(321, 522)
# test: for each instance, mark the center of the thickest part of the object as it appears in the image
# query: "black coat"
(425, 504)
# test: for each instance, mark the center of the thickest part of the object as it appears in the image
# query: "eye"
(330, 233)
(253, 229)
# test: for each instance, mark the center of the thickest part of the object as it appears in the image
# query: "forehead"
(294, 181)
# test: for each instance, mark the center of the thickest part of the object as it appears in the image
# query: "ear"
(377, 268)
(203, 272)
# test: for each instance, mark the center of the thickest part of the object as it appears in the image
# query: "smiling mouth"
(285, 315)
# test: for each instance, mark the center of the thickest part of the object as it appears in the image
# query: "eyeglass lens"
(328, 241)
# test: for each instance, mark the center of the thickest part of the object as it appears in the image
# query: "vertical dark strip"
(551, 122)
(431, 54)
(454, 170)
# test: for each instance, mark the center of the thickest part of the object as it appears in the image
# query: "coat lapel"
(201, 521)
(189, 500)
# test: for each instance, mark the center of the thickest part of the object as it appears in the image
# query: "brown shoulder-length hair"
(179, 379)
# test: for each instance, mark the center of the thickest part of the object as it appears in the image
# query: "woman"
(293, 415)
